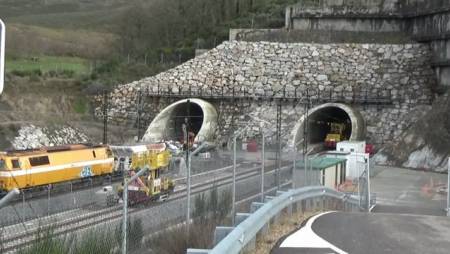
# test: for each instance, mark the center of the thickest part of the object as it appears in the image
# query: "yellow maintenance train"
(28, 169)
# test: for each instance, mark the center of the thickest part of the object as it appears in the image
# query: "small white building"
(321, 170)
(356, 162)
(351, 146)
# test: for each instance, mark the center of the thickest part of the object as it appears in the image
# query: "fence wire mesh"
(86, 216)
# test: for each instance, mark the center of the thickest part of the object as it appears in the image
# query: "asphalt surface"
(375, 233)
(408, 218)
(408, 191)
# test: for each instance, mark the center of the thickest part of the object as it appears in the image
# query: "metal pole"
(306, 168)
(125, 207)
(23, 207)
(279, 108)
(295, 156)
(188, 212)
(262, 168)
(448, 188)
(8, 197)
(48, 199)
(359, 185)
(234, 181)
(105, 117)
(125, 216)
(139, 109)
(368, 184)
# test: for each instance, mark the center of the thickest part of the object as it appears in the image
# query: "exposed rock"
(31, 136)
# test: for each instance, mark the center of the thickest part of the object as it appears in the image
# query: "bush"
(46, 243)
(80, 105)
(134, 236)
(93, 241)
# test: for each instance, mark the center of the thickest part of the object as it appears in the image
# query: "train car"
(25, 169)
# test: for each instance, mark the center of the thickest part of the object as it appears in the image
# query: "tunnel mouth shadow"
(168, 124)
(320, 120)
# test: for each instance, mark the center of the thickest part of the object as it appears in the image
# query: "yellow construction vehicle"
(335, 135)
(156, 184)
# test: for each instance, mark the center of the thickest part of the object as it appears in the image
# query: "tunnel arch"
(336, 112)
(167, 124)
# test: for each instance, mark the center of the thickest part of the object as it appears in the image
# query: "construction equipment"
(335, 135)
(156, 183)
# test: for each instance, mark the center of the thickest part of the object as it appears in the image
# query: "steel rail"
(22, 239)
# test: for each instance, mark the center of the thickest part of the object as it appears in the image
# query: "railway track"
(87, 219)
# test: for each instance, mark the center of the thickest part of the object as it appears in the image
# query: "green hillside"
(139, 37)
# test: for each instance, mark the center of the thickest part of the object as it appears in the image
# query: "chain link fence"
(81, 217)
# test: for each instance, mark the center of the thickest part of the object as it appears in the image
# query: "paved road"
(339, 232)
(407, 219)
(407, 191)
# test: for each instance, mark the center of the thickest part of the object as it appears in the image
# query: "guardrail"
(244, 234)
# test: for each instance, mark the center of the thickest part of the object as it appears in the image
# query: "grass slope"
(72, 14)
(48, 63)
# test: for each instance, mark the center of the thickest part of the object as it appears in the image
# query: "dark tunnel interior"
(179, 116)
(320, 124)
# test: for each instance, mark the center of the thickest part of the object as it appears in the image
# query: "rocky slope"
(425, 145)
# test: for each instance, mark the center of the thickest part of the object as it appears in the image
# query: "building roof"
(321, 162)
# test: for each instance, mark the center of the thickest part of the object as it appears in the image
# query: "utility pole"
(305, 138)
(233, 201)
(139, 110)
(262, 166)
(125, 207)
(105, 117)
(2, 55)
(188, 213)
(278, 153)
(448, 188)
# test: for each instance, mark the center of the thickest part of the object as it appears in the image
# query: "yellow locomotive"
(50, 165)
(28, 169)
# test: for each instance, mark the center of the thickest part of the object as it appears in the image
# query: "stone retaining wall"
(263, 69)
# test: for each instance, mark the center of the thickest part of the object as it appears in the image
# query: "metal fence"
(70, 212)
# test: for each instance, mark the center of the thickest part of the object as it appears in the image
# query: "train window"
(93, 153)
(15, 163)
(2, 164)
(39, 161)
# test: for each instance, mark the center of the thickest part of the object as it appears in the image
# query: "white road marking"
(307, 238)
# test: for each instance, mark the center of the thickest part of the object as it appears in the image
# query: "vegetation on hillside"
(128, 40)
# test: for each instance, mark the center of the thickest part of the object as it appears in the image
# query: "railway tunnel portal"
(319, 121)
(168, 124)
